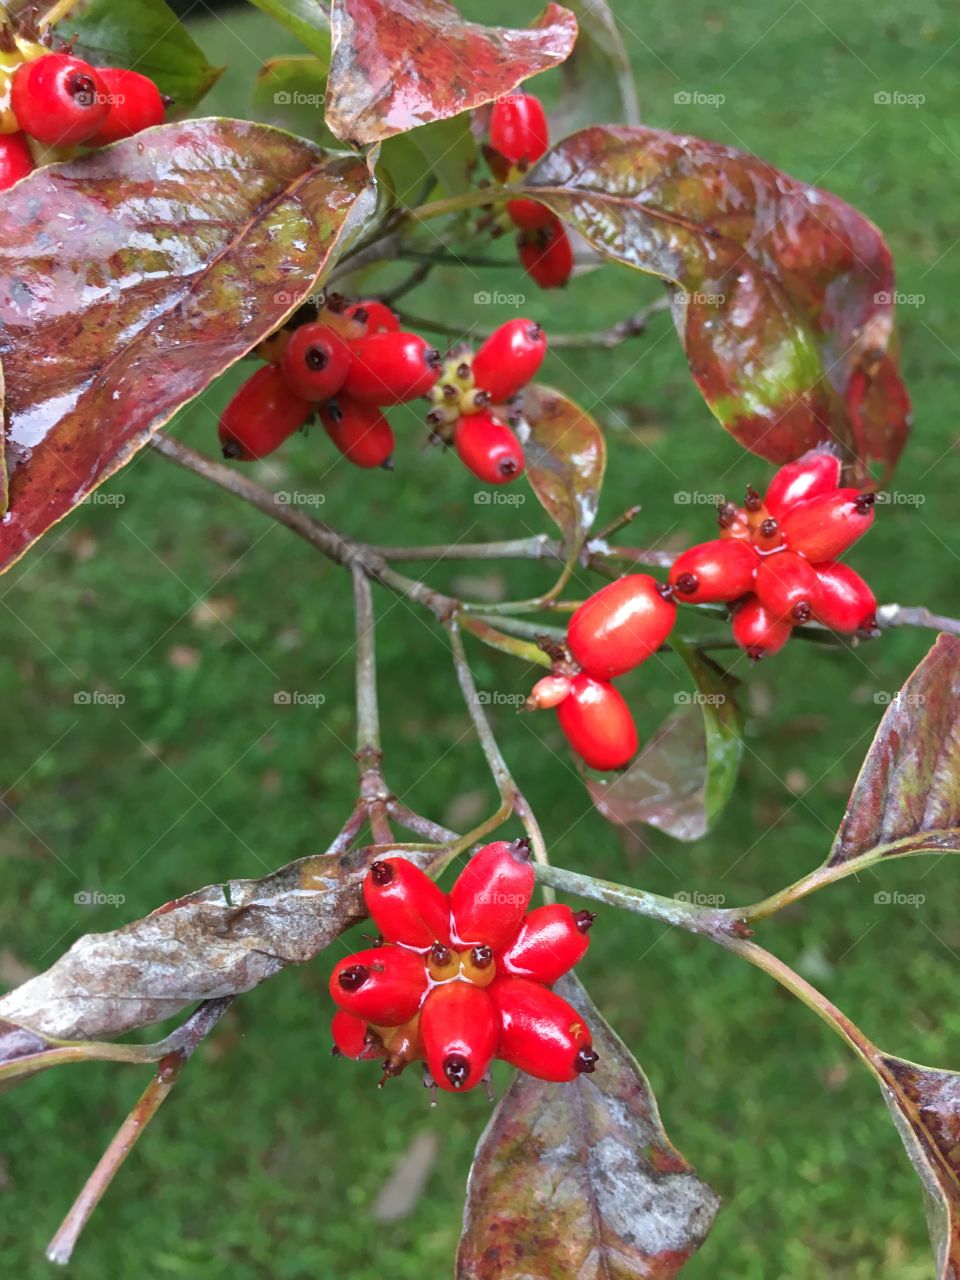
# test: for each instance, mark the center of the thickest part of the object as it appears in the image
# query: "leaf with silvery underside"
(566, 456)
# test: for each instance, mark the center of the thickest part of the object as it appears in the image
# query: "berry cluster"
(520, 135)
(464, 978)
(58, 100)
(617, 629)
(776, 562)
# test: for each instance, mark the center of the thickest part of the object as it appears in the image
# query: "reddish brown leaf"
(580, 1179)
(398, 64)
(132, 278)
(566, 455)
(784, 293)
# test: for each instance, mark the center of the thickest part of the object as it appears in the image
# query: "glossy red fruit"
(815, 473)
(509, 358)
(823, 528)
(315, 361)
(389, 368)
(488, 448)
(597, 723)
(529, 215)
(788, 586)
(721, 569)
(547, 255)
(621, 625)
(551, 940)
(459, 1033)
(519, 129)
(491, 895)
(539, 1032)
(359, 430)
(846, 603)
(757, 630)
(383, 985)
(261, 415)
(134, 103)
(733, 521)
(375, 315)
(16, 160)
(351, 1038)
(58, 99)
(406, 905)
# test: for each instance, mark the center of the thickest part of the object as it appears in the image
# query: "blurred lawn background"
(270, 1157)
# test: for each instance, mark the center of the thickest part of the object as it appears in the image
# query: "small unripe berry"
(389, 368)
(459, 1032)
(16, 159)
(405, 904)
(518, 128)
(552, 939)
(823, 528)
(261, 415)
(549, 691)
(383, 985)
(597, 723)
(540, 1033)
(547, 255)
(134, 103)
(60, 100)
(315, 362)
(788, 586)
(713, 571)
(491, 895)
(815, 473)
(509, 358)
(621, 625)
(359, 430)
(846, 603)
(488, 448)
(757, 630)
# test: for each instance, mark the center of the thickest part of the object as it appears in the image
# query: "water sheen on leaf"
(784, 293)
(132, 278)
(565, 457)
(580, 1179)
(399, 64)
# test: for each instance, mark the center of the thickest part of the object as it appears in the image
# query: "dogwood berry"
(621, 625)
(261, 415)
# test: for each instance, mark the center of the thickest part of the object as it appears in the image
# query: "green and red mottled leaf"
(580, 1179)
(146, 36)
(907, 797)
(399, 64)
(175, 252)
(783, 293)
(565, 457)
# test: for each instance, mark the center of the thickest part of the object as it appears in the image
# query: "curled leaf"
(565, 456)
(306, 19)
(597, 77)
(399, 64)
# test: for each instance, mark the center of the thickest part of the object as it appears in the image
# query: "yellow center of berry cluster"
(455, 393)
(475, 964)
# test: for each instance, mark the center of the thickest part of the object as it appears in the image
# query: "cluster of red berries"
(345, 361)
(520, 135)
(775, 561)
(57, 100)
(464, 978)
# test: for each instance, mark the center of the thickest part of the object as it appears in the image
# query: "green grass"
(269, 1157)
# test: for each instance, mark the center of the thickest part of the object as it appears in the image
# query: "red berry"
(459, 1032)
(261, 415)
(134, 103)
(405, 904)
(722, 569)
(58, 99)
(351, 1037)
(529, 215)
(551, 940)
(16, 160)
(509, 358)
(315, 362)
(389, 368)
(383, 985)
(815, 473)
(547, 255)
(518, 128)
(597, 723)
(375, 315)
(359, 430)
(621, 626)
(846, 602)
(487, 447)
(550, 691)
(788, 586)
(822, 528)
(733, 521)
(491, 895)
(539, 1032)
(757, 630)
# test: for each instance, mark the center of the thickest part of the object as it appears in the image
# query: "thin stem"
(412, 281)
(608, 338)
(622, 520)
(491, 749)
(368, 715)
(56, 14)
(519, 627)
(418, 824)
(349, 831)
(496, 639)
(539, 547)
(899, 615)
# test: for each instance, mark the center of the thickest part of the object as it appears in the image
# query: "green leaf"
(722, 722)
(597, 77)
(146, 36)
(306, 19)
(443, 153)
(288, 92)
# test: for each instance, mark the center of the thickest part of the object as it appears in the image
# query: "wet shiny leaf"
(597, 77)
(784, 293)
(145, 35)
(716, 695)
(580, 1179)
(566, 456)
(306, 19)
(174, 253)
(399, 64)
